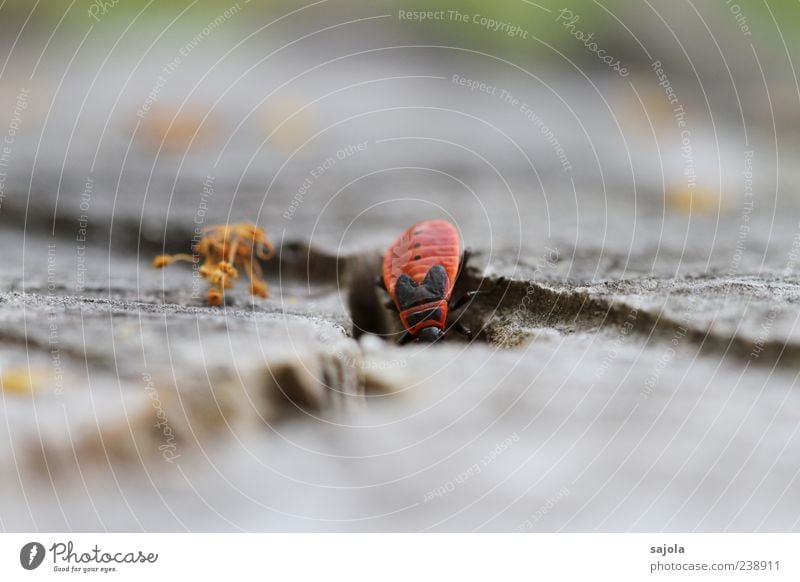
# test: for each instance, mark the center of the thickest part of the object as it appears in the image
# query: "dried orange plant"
(225, 249)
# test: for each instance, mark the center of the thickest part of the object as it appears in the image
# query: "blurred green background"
(604, 17)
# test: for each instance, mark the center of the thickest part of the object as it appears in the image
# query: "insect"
(420, 270)
(225, 249)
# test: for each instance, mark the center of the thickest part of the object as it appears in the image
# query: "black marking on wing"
(434, 313)
(405, 289)
(436, 281)
(433, 288)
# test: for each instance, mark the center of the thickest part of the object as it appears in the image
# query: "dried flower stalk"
(225, 250)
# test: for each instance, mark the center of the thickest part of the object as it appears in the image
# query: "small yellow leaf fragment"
(225, 251)
(19, 380)
(698, 200)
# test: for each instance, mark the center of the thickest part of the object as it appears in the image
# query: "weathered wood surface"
(636, 366)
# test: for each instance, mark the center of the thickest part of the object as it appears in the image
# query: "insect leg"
(463, 300)
(460, 328)
(465, 256)
(389, 304)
